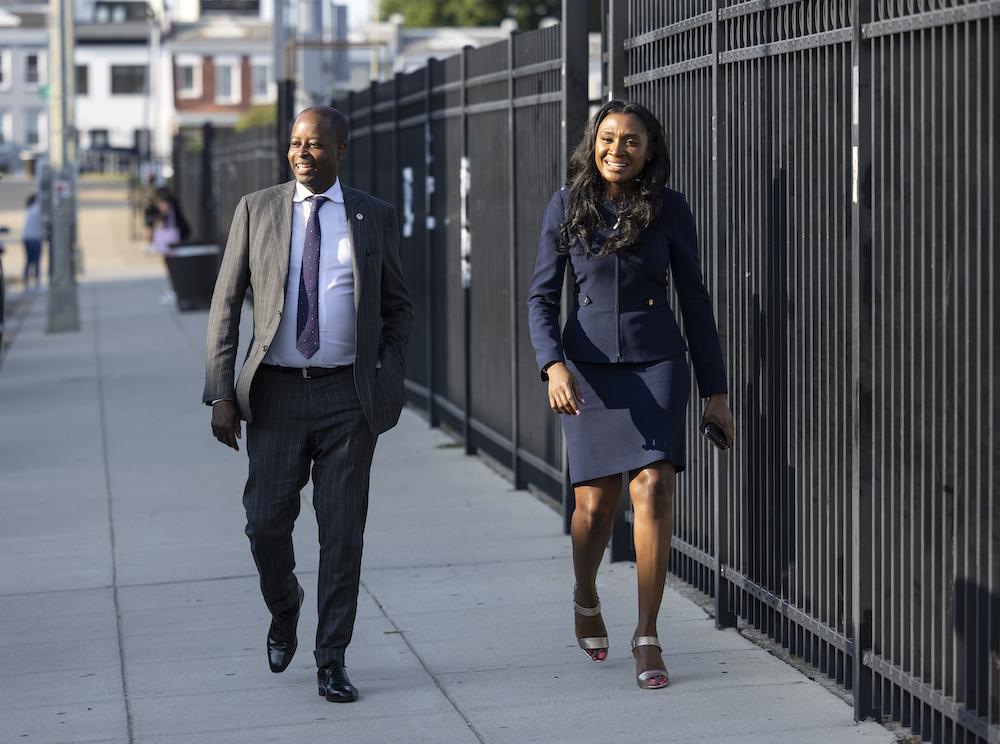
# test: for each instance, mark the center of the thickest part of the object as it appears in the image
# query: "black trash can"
(192, 268)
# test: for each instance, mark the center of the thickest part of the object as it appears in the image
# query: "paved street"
(129, 606)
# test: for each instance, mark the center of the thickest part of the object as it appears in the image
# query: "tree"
(424, 13)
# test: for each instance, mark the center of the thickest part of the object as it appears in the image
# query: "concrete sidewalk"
(129, 607)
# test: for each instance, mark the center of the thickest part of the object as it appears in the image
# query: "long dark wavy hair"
(587, 189)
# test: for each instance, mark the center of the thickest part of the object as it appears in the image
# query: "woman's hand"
(564, 391)
(717, 410)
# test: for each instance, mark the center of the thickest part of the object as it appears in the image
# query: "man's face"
(314, 151)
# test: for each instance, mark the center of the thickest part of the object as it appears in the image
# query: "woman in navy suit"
(617, 373)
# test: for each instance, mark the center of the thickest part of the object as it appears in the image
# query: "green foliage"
(424, 13)
(257, 116)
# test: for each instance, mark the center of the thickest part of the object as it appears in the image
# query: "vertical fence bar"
(397, 188)
(617, 24)
(470, 447)
(515, 295)
(573, 108)
(207, 201)
(429, 226)
(283, 127)
(622, 545)
(861, 335)
(725, 616)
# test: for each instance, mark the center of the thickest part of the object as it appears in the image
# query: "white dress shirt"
(337, 316)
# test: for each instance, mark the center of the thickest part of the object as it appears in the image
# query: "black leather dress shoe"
(334, 684)
(281, 638)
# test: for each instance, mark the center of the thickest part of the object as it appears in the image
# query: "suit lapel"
(281, 242)
(356, 208)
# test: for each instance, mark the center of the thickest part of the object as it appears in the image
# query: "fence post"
(206, 187)
(466, 256)
(429, 227)
(515, 295)
(860, 631)
(725, 615)
(283, 127)
(622, 544)
(573, 107)
(397, 188)
(617, 25)
(372, 159)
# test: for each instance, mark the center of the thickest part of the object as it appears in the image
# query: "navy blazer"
(619, 309)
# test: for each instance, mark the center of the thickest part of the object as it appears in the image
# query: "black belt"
(308, 373)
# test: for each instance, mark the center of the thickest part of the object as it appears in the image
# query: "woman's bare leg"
(593, 520)
(652, 492)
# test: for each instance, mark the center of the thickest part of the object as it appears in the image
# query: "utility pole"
(63, 309)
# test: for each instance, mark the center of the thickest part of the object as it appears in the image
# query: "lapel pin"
(359, 216)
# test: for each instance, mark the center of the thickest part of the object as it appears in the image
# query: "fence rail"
(840, 157)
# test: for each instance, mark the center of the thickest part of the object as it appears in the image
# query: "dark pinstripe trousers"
(298, 425)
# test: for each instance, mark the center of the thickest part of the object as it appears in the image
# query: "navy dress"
(621, 339)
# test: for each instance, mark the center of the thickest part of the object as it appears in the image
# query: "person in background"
(33, 235)
(169, 225)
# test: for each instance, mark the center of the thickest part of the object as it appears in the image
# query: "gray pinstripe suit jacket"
(256, 255)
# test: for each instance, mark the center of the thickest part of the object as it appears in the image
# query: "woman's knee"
(597, 506)
(652, 492)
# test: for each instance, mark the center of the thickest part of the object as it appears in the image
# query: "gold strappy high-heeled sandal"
(592, 643)
(647, 680)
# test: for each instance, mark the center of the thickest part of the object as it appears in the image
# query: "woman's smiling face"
(622, 149)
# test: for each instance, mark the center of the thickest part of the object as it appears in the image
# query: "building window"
(227, 81)
(5, 69)
(127, 80)
(34, 128)
(98, 139)
(260, 81)
(188, 77)
(82, 80)
(119, 12)
(33, 70)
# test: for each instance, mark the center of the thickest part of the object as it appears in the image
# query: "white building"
(123, 100)
(23, 81)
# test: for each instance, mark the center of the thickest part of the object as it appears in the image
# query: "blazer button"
(585, 300)
(650, 302)
(263, 348)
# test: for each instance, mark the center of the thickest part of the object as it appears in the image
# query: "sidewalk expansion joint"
(434, 678)
(101, 407)
(396, 630)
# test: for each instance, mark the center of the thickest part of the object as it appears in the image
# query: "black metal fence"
(469, 149)
(214, 169)
(841, 160)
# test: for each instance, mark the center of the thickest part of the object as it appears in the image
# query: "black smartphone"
(714, 433)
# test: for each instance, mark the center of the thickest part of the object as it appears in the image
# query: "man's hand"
(717, 410)
(564, 390)
(226, 423)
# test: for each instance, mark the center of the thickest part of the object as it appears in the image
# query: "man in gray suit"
(323, 376)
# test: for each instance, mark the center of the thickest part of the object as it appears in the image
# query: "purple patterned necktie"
(307, 323)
